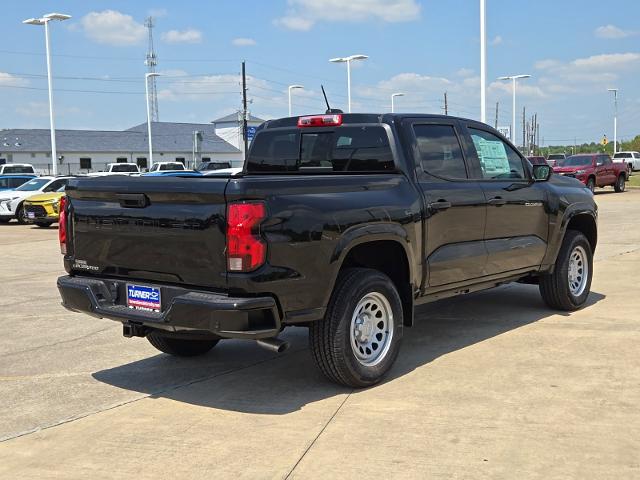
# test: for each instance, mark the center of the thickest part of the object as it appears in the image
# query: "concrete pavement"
(491, 385)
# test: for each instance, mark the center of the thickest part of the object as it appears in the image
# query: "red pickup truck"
(594, 170)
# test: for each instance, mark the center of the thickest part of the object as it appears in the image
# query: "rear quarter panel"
(314, 221)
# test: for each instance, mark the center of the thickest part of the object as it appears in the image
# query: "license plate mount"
(143, 297)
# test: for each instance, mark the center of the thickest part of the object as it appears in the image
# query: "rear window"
(623, 155)
(124, 168)
(17, 169)
(345, 149)
(556, 156)
(172, 166)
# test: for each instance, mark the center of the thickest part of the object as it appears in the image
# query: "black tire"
(620, 183)
(591, 184)
(180, 347)
(44, 224)
(21, 215)
(554, 287)
(5, 220)
(330, 339)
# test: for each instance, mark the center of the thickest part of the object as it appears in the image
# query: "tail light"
(62, 225)
(334, 120)
(246, 250)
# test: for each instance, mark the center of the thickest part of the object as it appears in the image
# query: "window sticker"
(493, 156)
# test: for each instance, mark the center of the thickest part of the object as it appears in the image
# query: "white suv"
(630, 158)
(164, 166)
(11, 200)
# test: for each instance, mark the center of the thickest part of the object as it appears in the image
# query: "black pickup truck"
(339, 222)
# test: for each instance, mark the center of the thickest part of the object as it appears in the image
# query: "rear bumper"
(182, 309)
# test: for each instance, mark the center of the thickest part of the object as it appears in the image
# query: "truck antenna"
(329, 109)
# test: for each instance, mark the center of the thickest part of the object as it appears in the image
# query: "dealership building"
(85, 151)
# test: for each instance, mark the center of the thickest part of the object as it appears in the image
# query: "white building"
(229, 128)
(81, 151)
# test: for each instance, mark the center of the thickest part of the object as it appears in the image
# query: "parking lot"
(491, 385)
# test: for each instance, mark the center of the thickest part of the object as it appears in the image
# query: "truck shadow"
(240, 376)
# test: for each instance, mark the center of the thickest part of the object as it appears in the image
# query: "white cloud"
(608, 61)
(111, 27)
(525, 89)
(189, 35)
(9, 80)
(497, 40)
(243, 42)
(465, 72)
(303, 14)
(613, 32)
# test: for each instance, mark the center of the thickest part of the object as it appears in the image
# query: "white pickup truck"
(118, 169)
(632, 159)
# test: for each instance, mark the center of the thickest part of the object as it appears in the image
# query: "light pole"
(292, 87)
(513, 78)
(45, 21)
(483, 63)
(394, 95)
(615, 119)
(348, 61)
(146, 91)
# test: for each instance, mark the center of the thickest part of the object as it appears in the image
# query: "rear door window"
(345, 149)
(439, 151)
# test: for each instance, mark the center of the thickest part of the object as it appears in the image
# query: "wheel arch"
(383, 247)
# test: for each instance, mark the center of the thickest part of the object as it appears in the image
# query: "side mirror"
(541, 173)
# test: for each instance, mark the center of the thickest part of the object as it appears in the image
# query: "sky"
(574, 49)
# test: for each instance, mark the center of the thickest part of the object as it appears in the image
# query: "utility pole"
(524, 120)
(446, 105)
(151, 62)
(244, 111)
(497, 104)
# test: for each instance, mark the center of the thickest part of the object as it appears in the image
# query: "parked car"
(43, 210)
(173, 173)
(12, 201)
(339, 222)
(537, 160)
(209, 166)
(632, 159)
(594, 170)
(17, 168)
(160, 166)
(10, 181)
(118, 169)
(553, 158)
(223, 172)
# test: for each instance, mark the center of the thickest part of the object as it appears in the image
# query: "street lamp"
(394, 95)
(483, 63)
(348, 61)
(292, 87)
(615, 119)
(45, 21)
(513, 78)
(146, 90)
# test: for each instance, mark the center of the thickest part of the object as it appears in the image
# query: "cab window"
(498, 160)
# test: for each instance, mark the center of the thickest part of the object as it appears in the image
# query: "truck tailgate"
(164, 229)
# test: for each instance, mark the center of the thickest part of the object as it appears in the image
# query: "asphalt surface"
(491, 385)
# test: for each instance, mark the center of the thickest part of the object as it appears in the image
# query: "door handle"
(497, 201)
(439, 205)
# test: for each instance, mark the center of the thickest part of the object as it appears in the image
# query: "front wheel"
(359, 338)
(44, 224)
(591, 184)
(620, 184)
(21, 215)
(567, 288)
(180, 347)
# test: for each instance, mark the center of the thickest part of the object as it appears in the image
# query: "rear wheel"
(181, 347)
(591, 184)
(620, 184)
(359, 338)
(567, 288)
(44, 224)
